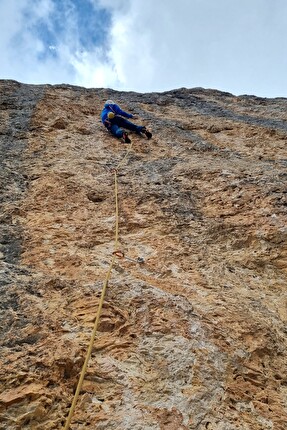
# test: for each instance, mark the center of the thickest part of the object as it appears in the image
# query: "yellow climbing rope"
(103, 293)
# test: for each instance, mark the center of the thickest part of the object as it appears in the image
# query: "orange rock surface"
(194, 338)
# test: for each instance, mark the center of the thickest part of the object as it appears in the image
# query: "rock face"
(194, 337)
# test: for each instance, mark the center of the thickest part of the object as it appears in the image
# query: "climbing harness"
(116, 254)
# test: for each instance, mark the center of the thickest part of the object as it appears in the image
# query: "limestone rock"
(194, 338)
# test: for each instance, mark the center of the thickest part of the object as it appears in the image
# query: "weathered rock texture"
(194, 338)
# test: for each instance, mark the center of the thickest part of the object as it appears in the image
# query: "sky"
(238, 46)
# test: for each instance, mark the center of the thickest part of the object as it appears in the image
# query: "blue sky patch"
(88, 25)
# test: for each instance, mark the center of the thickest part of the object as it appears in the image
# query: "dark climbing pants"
(117, 122)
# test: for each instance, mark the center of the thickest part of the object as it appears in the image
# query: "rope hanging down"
(103, 293)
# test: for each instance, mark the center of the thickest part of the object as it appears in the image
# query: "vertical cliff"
(194, 337)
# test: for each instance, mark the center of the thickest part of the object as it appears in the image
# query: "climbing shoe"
(126, 138)
(147, 133)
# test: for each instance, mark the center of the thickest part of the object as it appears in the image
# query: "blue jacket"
(112, 108)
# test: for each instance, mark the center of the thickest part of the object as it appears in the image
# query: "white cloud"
(91, 72)
(230, 45)
(20, 47)
(223, 44)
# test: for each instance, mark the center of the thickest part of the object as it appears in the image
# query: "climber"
(113, 119)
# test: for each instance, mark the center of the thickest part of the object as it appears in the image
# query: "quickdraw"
(120, 254)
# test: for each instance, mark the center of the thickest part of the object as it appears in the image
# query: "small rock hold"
(95, 197)
(60, 124)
